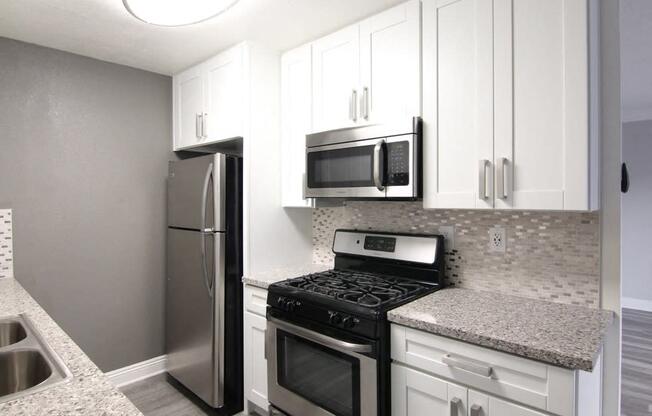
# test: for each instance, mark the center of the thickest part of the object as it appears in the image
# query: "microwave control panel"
(398, 163)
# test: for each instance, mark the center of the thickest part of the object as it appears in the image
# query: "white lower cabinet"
(255, 364)
(419, 394)
(434, 375)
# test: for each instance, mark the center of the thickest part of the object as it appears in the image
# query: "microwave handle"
(378, 177)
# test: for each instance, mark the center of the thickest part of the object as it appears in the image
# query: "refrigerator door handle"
(204, 230)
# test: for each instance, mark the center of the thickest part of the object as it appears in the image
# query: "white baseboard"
(139, 371)
(640, 304)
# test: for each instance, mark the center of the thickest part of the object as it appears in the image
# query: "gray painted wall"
(637, 211)
(84, 146)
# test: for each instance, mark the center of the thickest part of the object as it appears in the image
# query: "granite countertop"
(562, 335)
(89, 392)
(267, 277)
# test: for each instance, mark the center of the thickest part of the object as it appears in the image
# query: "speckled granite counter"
(89, 392)
(266, 278)
(562, 335)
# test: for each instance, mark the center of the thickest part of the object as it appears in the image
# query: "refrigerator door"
(196, 193)
(195, 312)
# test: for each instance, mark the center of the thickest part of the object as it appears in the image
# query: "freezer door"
(195, 312)
(196, 196)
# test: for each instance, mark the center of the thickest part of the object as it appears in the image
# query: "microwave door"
(355, 169)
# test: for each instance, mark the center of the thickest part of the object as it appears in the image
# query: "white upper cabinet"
(336, 74)
(507, 100)
(296, 122)
(390, 64)
(458, 116)
(542, 104)
(369, 72)
(208, 100)
(223, 116)
(188, 107)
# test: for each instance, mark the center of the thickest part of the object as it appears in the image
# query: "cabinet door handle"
(478, 368)
(482, 179)
(476, 410)
(503, 178)
(365, 103)
(353, 106)
(204, 123)
(455, 406)
(197, 125)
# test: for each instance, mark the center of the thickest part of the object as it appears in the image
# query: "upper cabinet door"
(458, 103)
(296, 122)
(541, 104)
(188, 107)
(336, 78)
(390, 51)
(223, 116)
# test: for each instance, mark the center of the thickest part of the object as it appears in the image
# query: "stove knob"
(348, 322)
(291, 305)
(335, 318)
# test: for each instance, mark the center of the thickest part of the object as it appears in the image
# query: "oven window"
(328, 378)
(350, 167)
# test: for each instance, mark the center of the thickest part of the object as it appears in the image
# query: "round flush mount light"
(176, 12)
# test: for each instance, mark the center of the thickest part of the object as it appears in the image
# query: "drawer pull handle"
(455, 406)
(467, 365)
(476, 410)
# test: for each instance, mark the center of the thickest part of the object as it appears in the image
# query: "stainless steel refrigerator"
(204, 271)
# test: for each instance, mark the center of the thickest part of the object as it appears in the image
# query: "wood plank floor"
(156, 396)
(636, 363)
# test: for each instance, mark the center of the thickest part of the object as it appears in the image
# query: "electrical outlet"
(497, 240)
(448, 231)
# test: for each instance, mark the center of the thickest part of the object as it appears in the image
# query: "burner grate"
(363, 289)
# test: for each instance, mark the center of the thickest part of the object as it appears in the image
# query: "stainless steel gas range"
(327, 339)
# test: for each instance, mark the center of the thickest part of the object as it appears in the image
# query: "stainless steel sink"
(11, 332)
(22, 370)
(27, 363)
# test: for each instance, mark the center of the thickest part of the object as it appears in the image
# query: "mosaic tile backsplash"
(6, 244)
(553, 256)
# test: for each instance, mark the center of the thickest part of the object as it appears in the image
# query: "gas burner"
(363, 289)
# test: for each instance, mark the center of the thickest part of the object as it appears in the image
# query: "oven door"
(311, 374)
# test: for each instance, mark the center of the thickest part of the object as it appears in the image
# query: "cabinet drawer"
(536, 384)
(255, 300)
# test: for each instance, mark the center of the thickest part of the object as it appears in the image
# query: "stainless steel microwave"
(377, 162)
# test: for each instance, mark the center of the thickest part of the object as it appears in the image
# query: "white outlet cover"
(448, 231)
(497, 240)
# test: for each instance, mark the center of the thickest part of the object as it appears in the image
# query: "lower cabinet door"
(255, 364)
(499, 407)
(481, 404)
(418, 394)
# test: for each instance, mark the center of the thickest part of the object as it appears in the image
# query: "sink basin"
(11, 332)
(21, 370)
(27, 363)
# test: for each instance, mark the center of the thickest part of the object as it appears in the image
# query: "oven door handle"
(320, 338)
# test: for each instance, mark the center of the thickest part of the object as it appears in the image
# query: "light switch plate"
(448, 231)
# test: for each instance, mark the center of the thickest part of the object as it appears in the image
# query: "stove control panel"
(342, 320)
(288, 305)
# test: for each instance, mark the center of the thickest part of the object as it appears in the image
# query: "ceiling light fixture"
(176, 12)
